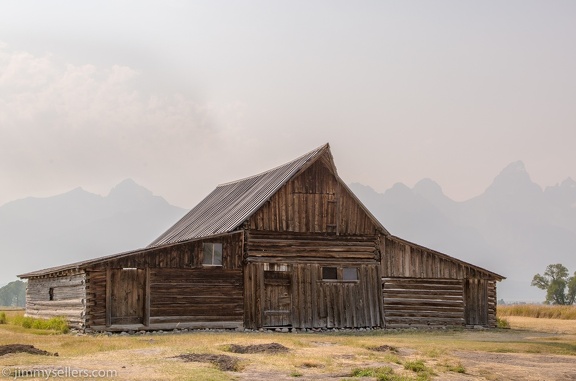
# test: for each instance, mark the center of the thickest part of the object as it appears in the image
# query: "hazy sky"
(183, 95)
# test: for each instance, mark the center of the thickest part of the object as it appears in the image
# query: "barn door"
(277, 299)
(476, 294)
(127, 287)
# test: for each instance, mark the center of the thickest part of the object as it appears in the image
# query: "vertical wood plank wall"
(315, 303)
(68, 293)
(313, 202)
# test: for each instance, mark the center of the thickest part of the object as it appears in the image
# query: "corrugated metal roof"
(230, 204)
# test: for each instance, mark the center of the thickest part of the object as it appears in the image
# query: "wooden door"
(127, 287)
(476, 296)
(277, 299)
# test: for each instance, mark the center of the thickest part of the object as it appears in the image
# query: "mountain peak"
(428, 187)
(129, 187)
(514, 180)
(515, 167)
(569, 183)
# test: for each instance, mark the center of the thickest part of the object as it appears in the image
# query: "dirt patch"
(518, 366)
(258, 348)
(223, 362)
(23, 348)
(385, 348)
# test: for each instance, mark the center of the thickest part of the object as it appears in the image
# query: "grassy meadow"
(538, 311)
(394, 355)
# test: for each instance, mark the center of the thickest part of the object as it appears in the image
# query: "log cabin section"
(290, 247)
(422, 288)
(61, 295)
(157, 288)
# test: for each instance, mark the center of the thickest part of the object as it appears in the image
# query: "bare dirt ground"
(516, 366)
(23, 348)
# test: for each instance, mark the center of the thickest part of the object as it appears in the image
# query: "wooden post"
(108, 297)
(147, 297)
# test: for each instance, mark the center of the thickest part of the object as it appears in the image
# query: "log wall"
(274, 246)
(420, 302)
(313, 202)
(192, 295)
(68, 293)
(492, 304)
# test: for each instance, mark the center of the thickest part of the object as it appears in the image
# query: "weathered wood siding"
(177, 289)
(274, 246)
(184, 255)
(421, 302)
(421, 274)
(195, 295)
(313, 302)
(480, 299)
(95, 298)
(314, 202)
(68, 294)
(492, 304)
(403, 259)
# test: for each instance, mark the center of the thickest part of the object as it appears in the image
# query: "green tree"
(560, 287)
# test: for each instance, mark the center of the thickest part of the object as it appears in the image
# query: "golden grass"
(143, 357)
(543, 325)
(539, 311)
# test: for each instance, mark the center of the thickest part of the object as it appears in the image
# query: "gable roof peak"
(232, 203)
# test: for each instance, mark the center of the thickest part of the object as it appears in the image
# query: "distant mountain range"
(515, 228)
(36, 233)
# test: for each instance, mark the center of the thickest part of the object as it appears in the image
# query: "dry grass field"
(533, 349)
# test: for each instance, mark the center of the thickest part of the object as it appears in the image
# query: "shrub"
(415, 366)
(58, 324)
(418, 366)
(458, 368)
(502, 323)
(2, 317)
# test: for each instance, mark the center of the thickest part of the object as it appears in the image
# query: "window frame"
(339, 274)
(211, 255)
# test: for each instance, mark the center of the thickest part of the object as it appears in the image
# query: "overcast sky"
(184, 95)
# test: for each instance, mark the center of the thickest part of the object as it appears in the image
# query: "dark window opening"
(51, 293)
(329, 273)
(212, 254)
(342, 274)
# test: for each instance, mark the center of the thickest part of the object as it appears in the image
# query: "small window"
(341, 274)
(212, 254)
(349, 273)
(51, 293)
(329, 273)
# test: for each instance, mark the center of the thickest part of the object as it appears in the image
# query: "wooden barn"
(291, 247)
